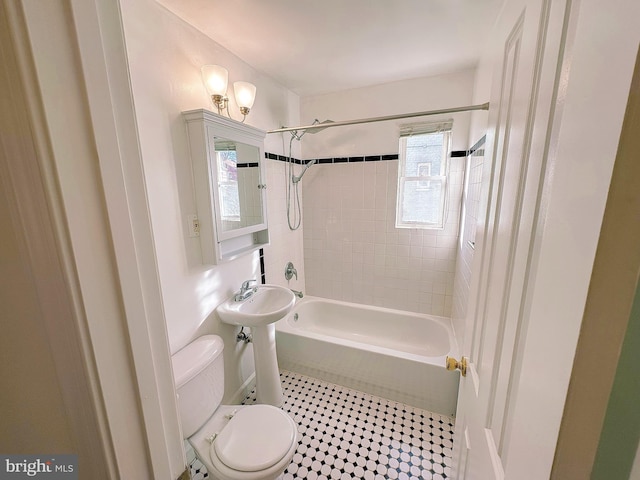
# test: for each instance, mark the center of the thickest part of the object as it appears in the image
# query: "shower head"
(298, 136)
(296, 179)
(318, 122)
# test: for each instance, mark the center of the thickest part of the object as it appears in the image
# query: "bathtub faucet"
(290, 271)
(297, 293)
(246, 290)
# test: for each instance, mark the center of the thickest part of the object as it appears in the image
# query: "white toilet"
(234, 442)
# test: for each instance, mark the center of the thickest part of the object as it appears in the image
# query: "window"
(422, 175)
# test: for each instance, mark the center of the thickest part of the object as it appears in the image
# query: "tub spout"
(297, 293)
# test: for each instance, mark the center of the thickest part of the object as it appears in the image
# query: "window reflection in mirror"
(227, 162)
(238, 180)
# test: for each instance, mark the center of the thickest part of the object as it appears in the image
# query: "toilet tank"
(198, 371)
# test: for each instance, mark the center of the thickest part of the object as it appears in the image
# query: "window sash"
(409, 194)
(422, 189)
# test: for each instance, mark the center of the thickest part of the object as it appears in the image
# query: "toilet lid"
(256, 438)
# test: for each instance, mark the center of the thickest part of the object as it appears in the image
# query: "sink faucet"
(246, 290)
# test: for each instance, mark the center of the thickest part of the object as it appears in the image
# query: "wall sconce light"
(216, 79)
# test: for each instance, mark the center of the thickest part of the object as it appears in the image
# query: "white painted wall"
(353, 251)
(165, 56)
(415, 95)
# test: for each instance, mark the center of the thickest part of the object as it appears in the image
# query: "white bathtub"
(390, 353)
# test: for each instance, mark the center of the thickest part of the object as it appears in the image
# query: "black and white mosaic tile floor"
(346, 434)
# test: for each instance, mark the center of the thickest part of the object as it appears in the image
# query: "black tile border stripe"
(475, 150)
(263, 275)
(374, 158)
(325, 161)
(247, 165)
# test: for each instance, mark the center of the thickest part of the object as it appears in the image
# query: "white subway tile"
(429, 240)
(404, 238)
(425, 298)
(428, 252)
(448, 241)
(437, 300)
(439, 288)
(392, 238)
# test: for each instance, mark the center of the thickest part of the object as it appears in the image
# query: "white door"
(522, 104)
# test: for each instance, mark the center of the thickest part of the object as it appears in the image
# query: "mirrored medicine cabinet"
(227, 159)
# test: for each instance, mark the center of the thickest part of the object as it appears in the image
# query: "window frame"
(424, 181)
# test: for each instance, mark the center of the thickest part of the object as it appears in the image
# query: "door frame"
(87, 177)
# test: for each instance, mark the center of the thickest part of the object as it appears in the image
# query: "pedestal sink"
(259, 311)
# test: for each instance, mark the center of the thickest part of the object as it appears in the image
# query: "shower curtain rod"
(484, 106)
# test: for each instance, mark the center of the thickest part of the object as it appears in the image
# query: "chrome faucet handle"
(246, 290)
(290, 271)
(246, 285)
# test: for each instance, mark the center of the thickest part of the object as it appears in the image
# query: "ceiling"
(321, 46)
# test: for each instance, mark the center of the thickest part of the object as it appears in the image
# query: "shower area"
(343, 193)
(382, 305)
(339, 198)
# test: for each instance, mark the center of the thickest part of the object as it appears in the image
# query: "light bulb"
(216, 79)
(245, 94)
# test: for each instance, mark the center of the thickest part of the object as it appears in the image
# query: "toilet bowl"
(234, 442)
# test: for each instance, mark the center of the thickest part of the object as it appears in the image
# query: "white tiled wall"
(471, 200)
(354, 252)
(286, 244)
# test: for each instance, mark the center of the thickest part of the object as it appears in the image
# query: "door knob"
(453, 364)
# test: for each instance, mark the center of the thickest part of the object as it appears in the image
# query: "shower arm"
(483, 106)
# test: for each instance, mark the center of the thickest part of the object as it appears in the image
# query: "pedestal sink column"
(259, 308)
(268, 386)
